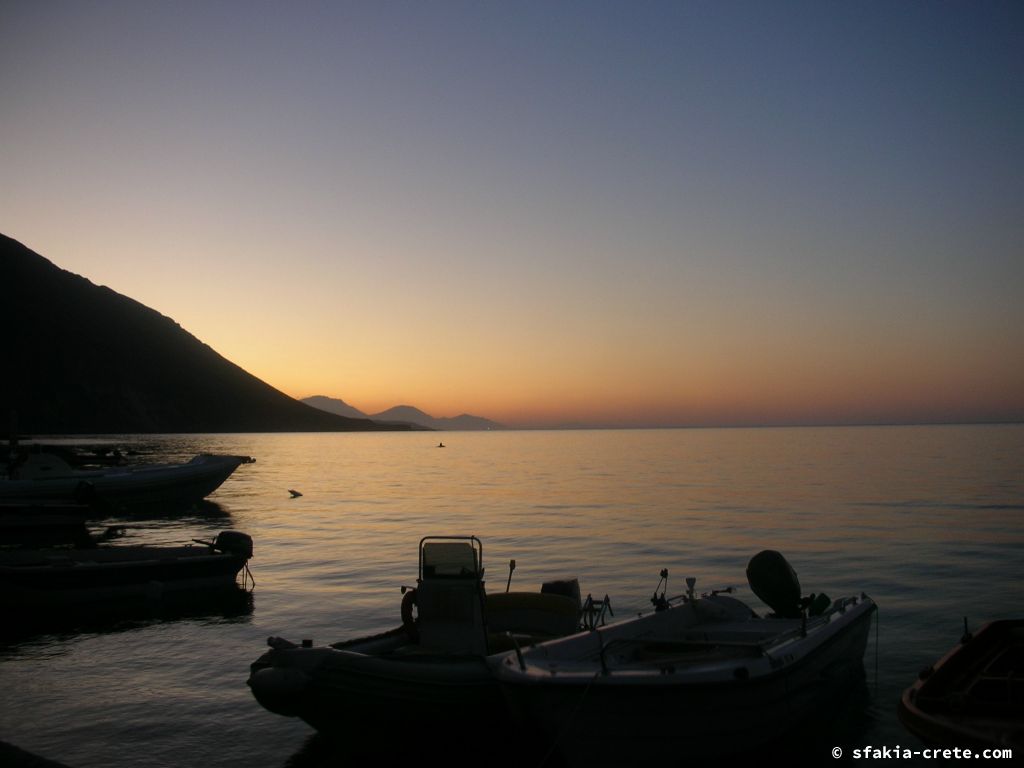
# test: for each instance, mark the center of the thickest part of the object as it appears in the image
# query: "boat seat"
(532, 613)
(451, 615)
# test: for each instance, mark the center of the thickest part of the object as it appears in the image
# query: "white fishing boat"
(708, 665)
(432, 666)
(36, 475)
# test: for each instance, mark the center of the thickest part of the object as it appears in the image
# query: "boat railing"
(592, 614)
(760, 644)
(810, 623)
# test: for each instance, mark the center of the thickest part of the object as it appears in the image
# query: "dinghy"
(974, 695)
(434, 665)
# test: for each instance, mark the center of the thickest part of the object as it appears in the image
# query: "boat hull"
(334, 689)
(37, 581)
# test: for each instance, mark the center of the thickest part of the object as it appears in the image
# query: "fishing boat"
(42, 475)
(974, 695)
(710, 665)
(34, 581)
(434, 665)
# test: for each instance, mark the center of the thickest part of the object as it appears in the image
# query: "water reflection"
(502, 741)
(83, 526)
(498, 743)
(209, 606)
(195, 513)
(852, 509)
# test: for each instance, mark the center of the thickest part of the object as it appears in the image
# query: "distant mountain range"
(403, 414)
(81, 359)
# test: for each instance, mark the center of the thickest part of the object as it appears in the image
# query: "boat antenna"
(511, 567)
(967, 637)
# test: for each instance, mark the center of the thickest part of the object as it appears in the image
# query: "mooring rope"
(878, 622)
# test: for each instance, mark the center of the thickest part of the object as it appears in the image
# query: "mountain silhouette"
(334, 405)
(82, 359)
(404, 414)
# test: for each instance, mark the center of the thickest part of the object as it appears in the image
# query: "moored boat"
(974, 695)
(37, 475)
(32, 581)
(708, 664)
(435, 663)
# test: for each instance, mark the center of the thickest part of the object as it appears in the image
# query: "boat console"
(450, 596)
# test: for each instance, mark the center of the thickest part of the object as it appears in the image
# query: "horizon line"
(564, 428)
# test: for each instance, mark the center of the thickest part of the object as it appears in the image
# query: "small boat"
(435, 663)
(709, 665)
(32, 581)
(974, 695)
(36, 475)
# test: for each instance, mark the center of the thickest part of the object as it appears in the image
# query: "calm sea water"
(927, 520)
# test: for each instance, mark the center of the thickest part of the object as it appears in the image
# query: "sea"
(924, 519)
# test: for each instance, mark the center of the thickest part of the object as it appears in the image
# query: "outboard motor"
(569, 588)
(235, 543)
(774, 581)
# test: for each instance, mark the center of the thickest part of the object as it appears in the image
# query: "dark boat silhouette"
(974, 695)
(32, 581)
(39, 475)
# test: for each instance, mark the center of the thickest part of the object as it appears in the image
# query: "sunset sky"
(546, 212)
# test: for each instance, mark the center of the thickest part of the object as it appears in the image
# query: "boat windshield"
(449, 559)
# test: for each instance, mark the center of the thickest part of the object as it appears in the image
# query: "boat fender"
(235, 543)
(773, 579)
(408, 601)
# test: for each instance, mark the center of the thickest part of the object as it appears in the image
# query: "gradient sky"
(611, 213)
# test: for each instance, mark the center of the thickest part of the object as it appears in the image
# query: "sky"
(546, 213)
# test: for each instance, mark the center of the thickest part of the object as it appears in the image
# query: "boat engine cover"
(566, 587)
(774, 581)
(235, 542)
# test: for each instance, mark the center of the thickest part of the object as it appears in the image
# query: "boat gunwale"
(764, 668)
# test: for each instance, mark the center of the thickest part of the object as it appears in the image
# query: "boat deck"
(992, 686)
